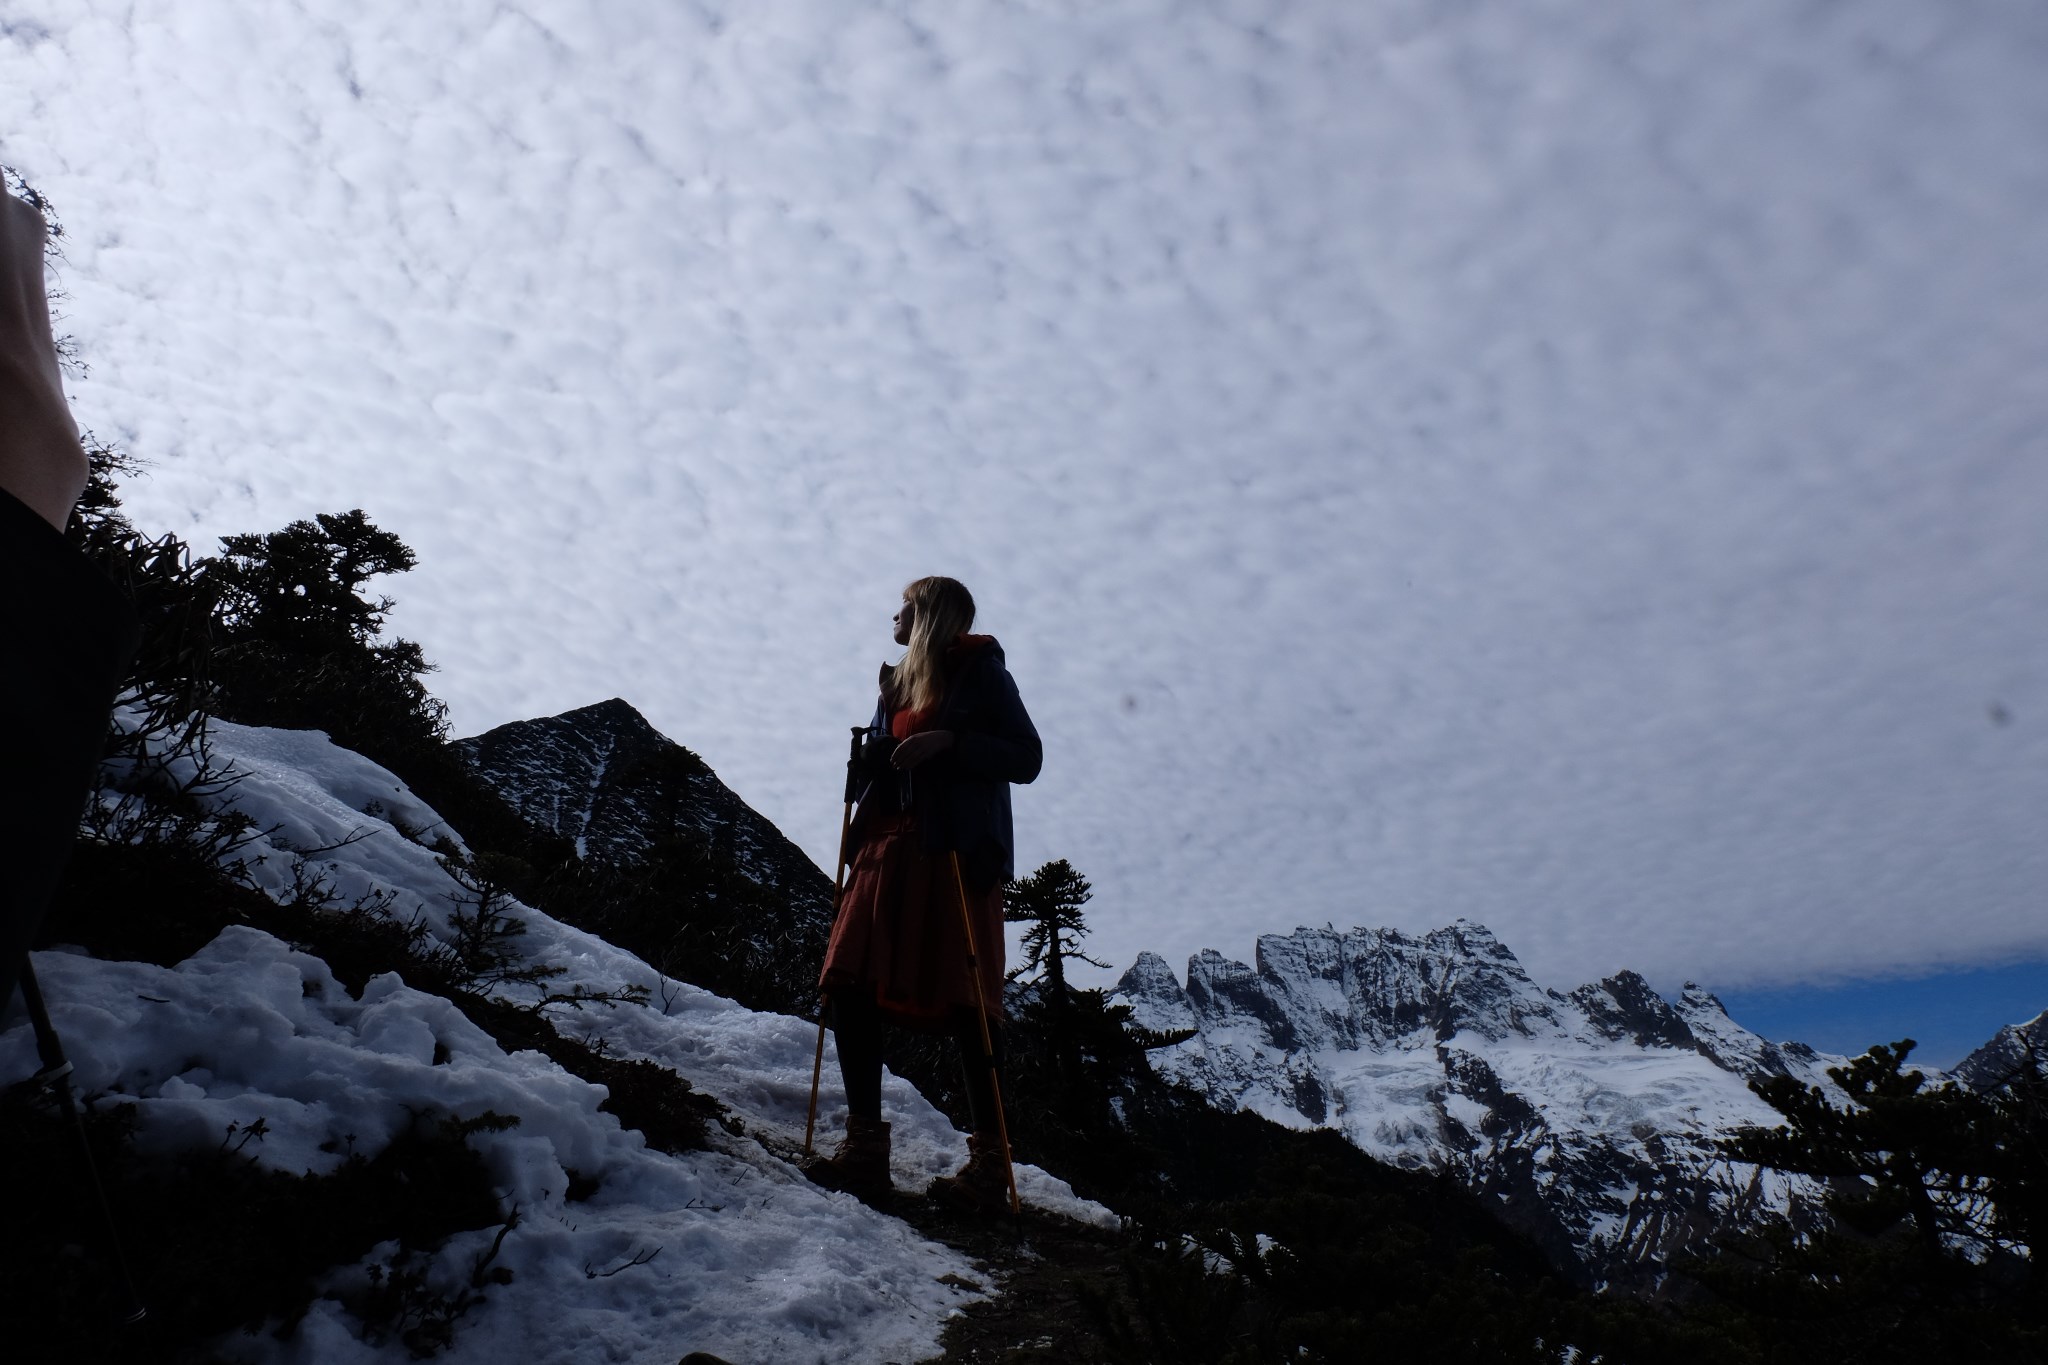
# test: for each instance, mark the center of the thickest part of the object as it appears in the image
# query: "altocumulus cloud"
(1574, 467)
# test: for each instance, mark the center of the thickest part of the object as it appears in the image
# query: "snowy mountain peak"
(1624, 1006)
(1369, 987)
(2001, 1058)
(605, 778)
(627, 796)
(1155, 995)
(1591, 1116)
(1734, 1048)
(561, 772)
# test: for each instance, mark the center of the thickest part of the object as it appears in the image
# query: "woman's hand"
(920, 748)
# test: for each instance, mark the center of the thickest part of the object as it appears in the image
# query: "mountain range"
(1589, 1118)
(315, 1010)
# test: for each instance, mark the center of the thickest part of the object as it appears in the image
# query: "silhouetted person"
(930, 845)
(66, 633)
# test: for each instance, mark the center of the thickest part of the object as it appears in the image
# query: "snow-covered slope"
(1590, 1117)
(755, 1263)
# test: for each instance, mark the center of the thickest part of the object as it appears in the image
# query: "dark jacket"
(961, 798)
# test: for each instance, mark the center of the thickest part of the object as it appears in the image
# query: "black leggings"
(66, 637)
(857, 1028)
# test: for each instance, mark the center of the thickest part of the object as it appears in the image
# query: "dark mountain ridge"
(668, 861)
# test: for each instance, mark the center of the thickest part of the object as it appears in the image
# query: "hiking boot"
(859, 1165)
(983, 1184)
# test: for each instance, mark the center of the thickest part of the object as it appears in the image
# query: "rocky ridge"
(674, 862)
(2002, 1057)
(605, 778)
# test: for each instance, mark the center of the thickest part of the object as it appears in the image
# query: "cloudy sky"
(1575, 466)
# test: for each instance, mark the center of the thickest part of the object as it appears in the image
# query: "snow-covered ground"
(754, 1263)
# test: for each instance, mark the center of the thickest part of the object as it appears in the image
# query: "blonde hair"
(941, 610)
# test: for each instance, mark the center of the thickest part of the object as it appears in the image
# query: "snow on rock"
(2010, 1050)
(1730, 1045)
(756, 1263)
(1154, 994)
(604, 778)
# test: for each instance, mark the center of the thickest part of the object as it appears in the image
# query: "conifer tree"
(302, 587)
(1050, 900)
(484, 951)
(1078, 1028)
(301, 640)
(1935, 1203)
(175, 598)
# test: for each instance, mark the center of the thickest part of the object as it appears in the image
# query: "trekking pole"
(838, 889)
(56, 1074)
(988, 1046)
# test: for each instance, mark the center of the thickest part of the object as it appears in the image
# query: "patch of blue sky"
(1948, 1014)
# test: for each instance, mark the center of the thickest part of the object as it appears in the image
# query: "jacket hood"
(969, 645)
(962, 650)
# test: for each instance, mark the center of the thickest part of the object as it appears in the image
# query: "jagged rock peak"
(1731, 1046)
(1155, 995)
(614, 726)
(603, 776)
(1624, 1006)
(1148, 975)
(1694, 996)
(1364, 987)
(2002, 1057)
(615, 710)
(615, 714)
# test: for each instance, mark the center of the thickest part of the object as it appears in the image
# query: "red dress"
(899, 933)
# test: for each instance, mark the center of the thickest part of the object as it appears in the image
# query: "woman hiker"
(949, 736)
(66, 633)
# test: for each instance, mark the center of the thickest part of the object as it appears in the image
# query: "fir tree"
(175, 599)
(301, 587)
(1050, 901)
(484, 951)
(1935, 1201)
(301, 640)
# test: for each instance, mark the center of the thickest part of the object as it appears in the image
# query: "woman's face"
(902, 622)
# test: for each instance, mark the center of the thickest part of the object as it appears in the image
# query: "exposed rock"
(2005, 1055)
(1625, 1007)
(605, 778)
